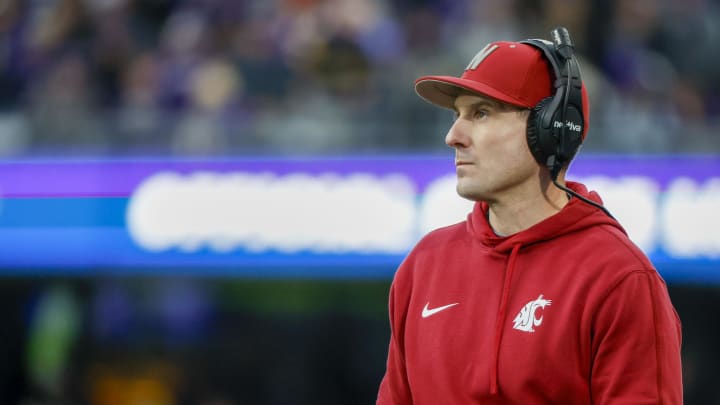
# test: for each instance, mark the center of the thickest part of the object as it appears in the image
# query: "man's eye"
(480, 113)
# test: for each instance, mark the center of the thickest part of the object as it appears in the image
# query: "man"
(538, 297)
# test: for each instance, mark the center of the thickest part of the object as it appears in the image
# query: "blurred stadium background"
(204, 201)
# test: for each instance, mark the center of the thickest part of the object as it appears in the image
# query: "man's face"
(492, 158)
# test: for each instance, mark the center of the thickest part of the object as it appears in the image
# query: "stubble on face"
(492, 156)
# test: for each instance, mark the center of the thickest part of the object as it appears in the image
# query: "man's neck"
(515, 213)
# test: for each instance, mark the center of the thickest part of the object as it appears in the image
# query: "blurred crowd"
(220, 77)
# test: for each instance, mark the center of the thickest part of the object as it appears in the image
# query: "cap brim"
(442, 91)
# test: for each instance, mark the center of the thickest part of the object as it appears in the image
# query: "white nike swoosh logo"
(429, 312)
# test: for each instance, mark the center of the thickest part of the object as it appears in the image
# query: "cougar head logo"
(526, 319)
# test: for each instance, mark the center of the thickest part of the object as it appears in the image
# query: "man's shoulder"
(435, 242)
(611, 247)
(444, 235)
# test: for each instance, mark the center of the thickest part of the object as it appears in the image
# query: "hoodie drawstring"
(500, 320)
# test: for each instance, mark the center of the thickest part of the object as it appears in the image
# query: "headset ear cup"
(535, 132)
(573, 139)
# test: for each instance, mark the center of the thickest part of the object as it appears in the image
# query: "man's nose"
(457, 136)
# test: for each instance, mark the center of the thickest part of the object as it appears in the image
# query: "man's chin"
(468, 193)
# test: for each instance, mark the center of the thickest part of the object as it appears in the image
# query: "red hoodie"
(568, 311)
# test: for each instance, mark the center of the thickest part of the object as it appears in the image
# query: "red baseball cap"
(511, 72)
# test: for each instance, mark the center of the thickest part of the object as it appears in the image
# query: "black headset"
(556, 123)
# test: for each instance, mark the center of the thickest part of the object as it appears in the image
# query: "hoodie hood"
(575, 215)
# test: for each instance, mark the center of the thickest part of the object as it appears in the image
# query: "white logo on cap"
(484, 53)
